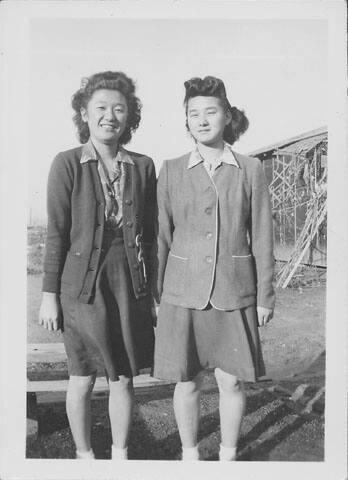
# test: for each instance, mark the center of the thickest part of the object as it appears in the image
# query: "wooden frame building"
(296, 170)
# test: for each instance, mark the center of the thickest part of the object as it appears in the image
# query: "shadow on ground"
(271, 430)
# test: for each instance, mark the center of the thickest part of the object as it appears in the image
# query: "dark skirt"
(189, 340)
(115, 331)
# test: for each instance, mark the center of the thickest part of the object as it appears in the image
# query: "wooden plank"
(46, 352)
(101, 384)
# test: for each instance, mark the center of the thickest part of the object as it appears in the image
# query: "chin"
(110, 139)
(208, 142)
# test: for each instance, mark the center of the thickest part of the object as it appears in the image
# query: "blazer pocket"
(174, 277)
(74, 272)
(244, 274)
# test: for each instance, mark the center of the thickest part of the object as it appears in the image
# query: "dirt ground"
(275, 427)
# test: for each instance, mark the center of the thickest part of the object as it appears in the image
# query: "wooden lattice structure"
(297, 175)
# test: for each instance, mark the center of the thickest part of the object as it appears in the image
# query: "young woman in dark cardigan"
(215, 266)
(101, 212)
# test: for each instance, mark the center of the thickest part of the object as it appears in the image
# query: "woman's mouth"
(108, 126)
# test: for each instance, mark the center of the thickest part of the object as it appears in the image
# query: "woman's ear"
(84, 115)
(228, 117)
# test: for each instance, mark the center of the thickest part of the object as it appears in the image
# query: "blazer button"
(209, 235)
(208, 259)
(136, 266)
(129, 224)
(130, 244)
(129, 202)
(140, 289)
(208, 210)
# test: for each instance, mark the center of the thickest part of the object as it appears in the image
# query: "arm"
(262, 243)
(59, 188)
(165, 228)
(58, 208)
(150, 215)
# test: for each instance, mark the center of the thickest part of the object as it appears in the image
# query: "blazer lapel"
(199, 177)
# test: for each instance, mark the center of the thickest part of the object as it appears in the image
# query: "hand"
(264, 315)
(50, 315)
(154, 311)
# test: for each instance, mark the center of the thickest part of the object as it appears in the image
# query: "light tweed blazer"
(215, 238)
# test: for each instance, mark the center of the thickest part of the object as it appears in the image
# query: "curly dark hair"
(214, 87)
(109, 81)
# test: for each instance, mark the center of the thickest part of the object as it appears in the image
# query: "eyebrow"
(116, 104)
(212, 107)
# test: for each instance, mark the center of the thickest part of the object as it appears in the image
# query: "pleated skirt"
(189, 341)
(113, 334)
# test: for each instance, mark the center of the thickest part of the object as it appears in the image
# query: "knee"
(81, 386)
(228, 383)
(189, 388)
(123, 384)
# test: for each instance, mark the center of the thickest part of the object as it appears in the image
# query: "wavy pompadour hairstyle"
(214, 87)
(106, 81)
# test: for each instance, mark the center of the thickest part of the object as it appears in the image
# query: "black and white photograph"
(174, 241)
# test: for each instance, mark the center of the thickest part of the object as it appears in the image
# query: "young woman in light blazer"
(215, 266)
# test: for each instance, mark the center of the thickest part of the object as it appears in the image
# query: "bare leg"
(78, 407)
(187, 410)
(232, 406)
(121, 401)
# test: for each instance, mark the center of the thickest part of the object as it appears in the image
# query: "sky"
(275, 70)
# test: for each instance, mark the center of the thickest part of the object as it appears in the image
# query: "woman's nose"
(202, 120)
(109, 114)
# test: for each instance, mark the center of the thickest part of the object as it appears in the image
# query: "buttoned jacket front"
(76, 216)
(215, 240)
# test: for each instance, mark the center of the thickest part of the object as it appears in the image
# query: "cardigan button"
(129, 224)
(208, 259)
(209, 235)
(131, 244)
(208, 210)
(140, 289)
(129, 202)
(136, 266)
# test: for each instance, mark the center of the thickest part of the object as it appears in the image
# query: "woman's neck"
(107, 152)
(211, 152)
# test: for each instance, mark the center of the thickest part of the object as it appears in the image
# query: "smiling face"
(106, 115)
(207, 119)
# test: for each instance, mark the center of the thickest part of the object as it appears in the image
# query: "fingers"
(49, 323)
(265, 318)
(264, 315)
(261, 320)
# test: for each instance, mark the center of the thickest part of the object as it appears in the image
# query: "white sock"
(227, 454)
(190, 453)
(119, 453)
(88, 454)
